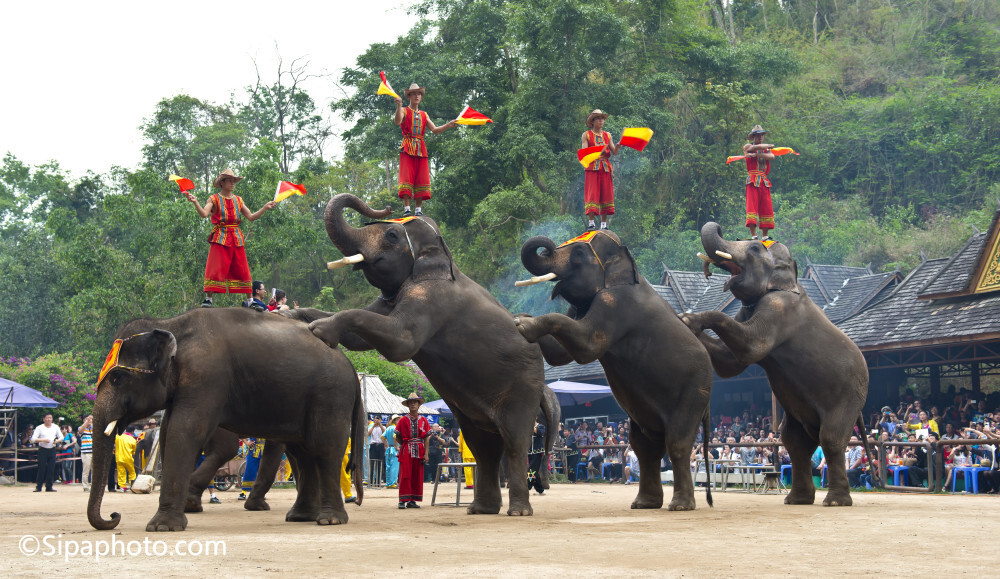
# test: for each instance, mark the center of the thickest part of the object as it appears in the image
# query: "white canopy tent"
(378, 399)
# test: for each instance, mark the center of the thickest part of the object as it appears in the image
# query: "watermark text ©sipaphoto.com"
(58, 547)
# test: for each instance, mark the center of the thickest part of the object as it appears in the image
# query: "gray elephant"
(212, 368)
(459, 335)
(659, 373)
(816, 372)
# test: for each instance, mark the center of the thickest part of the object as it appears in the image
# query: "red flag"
(589, 155)
(184, 184)
(470, 116)
(636, 137)
(286, 190)
(384, 88)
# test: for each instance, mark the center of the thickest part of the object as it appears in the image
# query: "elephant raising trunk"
(347, 238)
(104, 452)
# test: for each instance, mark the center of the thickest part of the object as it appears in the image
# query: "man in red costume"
(759, 208)
(413, 433)
(598, 189)
(414, 168)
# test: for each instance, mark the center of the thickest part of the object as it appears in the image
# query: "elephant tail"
(708, 458)
(358, 442)
(874, 472)
(552, 413)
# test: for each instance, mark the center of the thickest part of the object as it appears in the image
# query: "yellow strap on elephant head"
(111, 362)
(589, 237)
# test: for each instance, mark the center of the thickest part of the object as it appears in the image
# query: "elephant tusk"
(704, 257)
(534, 280)
(345, 261)
(110, 428)
(724, 255)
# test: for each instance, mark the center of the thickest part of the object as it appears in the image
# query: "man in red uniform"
(414, 169)
(759, 209)
(598, 190)
(413, 433)
(226, 270)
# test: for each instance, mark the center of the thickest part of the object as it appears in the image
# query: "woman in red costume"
(759, 208)
(598, 188)
(414, 169)
(226, 270)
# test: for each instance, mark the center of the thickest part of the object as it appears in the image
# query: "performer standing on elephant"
(226, 270)
(758, 158)
(413, 433)
(414, 167)
(255, 447)
(598, 189)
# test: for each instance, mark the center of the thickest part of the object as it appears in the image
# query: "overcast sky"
(80, 77)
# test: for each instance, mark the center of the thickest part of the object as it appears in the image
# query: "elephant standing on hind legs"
(659, 373)
(456, 331)
(816, 372)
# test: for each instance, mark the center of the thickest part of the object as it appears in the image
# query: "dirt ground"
(581, 529)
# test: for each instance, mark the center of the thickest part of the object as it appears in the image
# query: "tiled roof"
(956, 275)
(669, 296)
(574, 372)
(688, 286)
(858, 292)
(813, 291)
(830, 278)
(901, 319)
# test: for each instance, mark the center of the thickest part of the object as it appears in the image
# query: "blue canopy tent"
(440, 405)
(13, 396)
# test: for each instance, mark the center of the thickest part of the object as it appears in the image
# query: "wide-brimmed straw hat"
(413, 397)
(414, 87)
(756, 130)
(225, 173)
(596, 114)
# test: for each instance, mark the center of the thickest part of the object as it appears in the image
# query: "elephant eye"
(392, 236)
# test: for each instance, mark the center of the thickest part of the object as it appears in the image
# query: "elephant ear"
(785, 275)
(150, 351)
(620, 268)
(433, 262)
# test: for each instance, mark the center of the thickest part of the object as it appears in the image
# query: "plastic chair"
(898, 470)
(581, 471)
(786, 468)
(967, 472)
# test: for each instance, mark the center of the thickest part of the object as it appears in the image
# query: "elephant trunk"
(535, 262)
(103, 456)
(342, 234)
(711, 239)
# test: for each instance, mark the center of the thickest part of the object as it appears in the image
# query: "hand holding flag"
(384, 88)
(286, 189)
(589, 155)
(636, 137)
(777, 151)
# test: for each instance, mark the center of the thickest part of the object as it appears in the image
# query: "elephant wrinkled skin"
(816, 372)
(659, 373)
(212, 368)
(456, 331)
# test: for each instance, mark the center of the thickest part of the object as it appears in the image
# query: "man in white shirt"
(46, 436)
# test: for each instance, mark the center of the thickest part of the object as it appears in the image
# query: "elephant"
(210, 368)
(221, 448)
(816, 372)
(659, 373)
(457, 333)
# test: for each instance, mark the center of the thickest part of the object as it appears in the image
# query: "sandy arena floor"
(582, 529)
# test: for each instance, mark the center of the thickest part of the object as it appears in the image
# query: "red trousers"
(598, 193)
(759, 209)
(414, 177)
(411, 477)
(226, 270)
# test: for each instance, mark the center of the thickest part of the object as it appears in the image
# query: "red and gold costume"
(414, 168)
(411, 457)
(226, 270)
(598, 190)
(760, 212)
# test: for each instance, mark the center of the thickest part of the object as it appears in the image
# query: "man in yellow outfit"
(345, 478)
(124, 449)
(466, 457)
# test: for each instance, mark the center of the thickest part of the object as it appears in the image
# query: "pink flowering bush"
(66, 378)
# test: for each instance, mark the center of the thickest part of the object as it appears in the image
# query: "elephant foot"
(326, 330)
(834, 499)
(253, 504)
(332, 517)
(167, 522)
(647, 502)
(529, 328)
(302, 515)
(681, 504)
(800, 498)
(479, 507)
(520, 510)
(193, 505)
